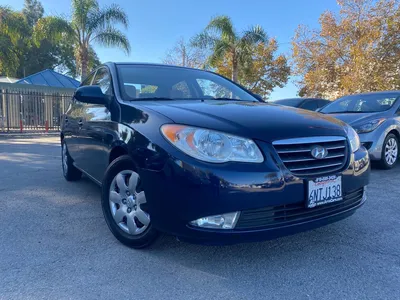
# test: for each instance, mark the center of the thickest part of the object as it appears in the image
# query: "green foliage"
(94, 25)
(39, 42)
(33, 11)
(224, 41)
(262, 71)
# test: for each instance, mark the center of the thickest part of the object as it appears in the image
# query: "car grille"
(290, 214)
(296, 155)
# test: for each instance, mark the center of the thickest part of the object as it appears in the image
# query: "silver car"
(376, 118)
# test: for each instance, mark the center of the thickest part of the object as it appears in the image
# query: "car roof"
(377, 93)
(301, 98)
(150, 64)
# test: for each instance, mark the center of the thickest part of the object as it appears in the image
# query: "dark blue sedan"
(189, 153)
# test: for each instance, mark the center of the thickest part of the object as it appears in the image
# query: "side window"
(210, 89)
(322, 103)
(180, 90)
(103, 80)
(88, 79)
(310, 105)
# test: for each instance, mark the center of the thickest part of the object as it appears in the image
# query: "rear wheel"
(69, 171)
(124, 205)
(390, 152)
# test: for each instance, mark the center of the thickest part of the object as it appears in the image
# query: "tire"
(390, 152)
(124, 205)
(70, 172)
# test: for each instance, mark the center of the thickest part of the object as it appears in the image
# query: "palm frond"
(112, 37)
(203, 40)
(220, 49)
(82, 11)
(254, 35)
(222, 25)
(106, 17)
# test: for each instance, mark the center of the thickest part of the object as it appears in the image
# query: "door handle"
(80, 123)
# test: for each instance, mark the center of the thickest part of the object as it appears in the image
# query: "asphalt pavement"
(55, 244)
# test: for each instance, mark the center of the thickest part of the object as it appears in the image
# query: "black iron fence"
(32, 108)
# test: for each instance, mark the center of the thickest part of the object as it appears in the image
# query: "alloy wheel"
(391, 151)
(125, 203)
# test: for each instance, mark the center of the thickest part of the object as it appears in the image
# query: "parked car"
(313, 104)
(192, 154)
(376, 118)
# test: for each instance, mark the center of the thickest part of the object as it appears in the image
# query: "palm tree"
(224, 41)
(94, 25)
(90, 25)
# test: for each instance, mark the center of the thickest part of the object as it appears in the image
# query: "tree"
(225, 42)
(33, 11)
(94, 25)
(357, 50)
(186, 55)
(21, 54)
(13, 30)
(262, 71)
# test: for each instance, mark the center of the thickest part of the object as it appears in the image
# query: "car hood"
(255, 120)
(356, 118)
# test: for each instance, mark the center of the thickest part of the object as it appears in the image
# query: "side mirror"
(91, 94)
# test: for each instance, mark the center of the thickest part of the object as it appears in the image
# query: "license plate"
(324, 190)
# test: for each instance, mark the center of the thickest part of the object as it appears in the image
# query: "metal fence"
(31, 107)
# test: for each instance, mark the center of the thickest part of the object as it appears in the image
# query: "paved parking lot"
(55, 244)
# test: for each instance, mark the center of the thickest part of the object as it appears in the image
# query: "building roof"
(50, 78)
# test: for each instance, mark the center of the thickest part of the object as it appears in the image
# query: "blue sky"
(156, 24)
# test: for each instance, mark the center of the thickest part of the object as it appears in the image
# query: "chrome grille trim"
(296, 155)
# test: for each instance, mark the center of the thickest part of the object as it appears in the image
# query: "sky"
(155, 25)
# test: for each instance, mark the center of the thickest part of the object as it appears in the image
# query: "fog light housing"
(223, 221)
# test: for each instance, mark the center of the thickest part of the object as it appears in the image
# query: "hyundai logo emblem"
(319, 152)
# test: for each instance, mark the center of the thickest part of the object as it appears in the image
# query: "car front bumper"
(185, 191)
(373, 141)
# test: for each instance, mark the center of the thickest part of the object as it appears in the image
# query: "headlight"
(370, 126)
(212, 146)
(353, 139)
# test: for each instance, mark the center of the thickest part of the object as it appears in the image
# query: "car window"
(103, 80)
(322, 103)
(175, 83)
(211, 89)
(362, 103)
(181, 90)
(88, 79)
(310, 105)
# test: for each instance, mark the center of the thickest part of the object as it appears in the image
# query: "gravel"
(54, 243)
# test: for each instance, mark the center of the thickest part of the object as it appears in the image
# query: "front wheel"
(70, 172)
(390, 152)
(124, 205)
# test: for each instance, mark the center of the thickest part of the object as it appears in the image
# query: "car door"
(98, 130)
(72, 125)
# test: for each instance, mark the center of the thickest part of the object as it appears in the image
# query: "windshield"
(140, 82)
(362, 103)
(289, 102)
